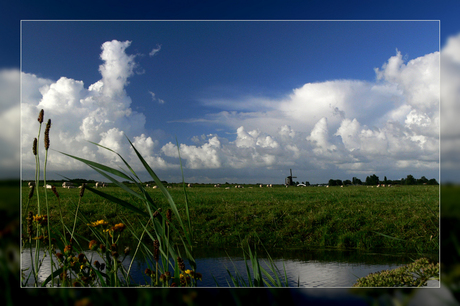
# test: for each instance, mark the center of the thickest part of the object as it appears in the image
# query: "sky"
(245, 100)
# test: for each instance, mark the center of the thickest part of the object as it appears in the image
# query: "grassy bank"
(399, 218)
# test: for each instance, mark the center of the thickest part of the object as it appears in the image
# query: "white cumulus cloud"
(100, 113)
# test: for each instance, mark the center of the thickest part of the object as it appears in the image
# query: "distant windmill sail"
(288, 180)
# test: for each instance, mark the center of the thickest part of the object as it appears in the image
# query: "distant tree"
(410, 180)
(385, 181)
(307, 183)
(433, 182)
(422, 180)
(372, 180)
(347, 182)
(356, 181)
(335, 182)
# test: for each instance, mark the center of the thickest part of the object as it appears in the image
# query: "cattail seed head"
(40, 116)
(168, 216)
(47, 134)
(53, 188)
(156, 213)
(31, 192)
(29, 223)
(156, 250)
(34, 147)
(181, 264)
(82, 190)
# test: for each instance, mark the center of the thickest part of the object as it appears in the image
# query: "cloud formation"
(450, 109)
(337, 127)
(155, 50)
(100, 113)
(346, 126)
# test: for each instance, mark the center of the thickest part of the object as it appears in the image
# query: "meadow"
(399, 219)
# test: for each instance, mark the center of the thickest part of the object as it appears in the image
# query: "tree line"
(375, 180)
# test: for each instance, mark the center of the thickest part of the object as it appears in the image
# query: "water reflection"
(320, 268)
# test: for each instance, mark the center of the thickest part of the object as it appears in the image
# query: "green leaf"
(51, 276)
(100, 166)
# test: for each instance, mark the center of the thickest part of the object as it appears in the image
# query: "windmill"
(288, 181)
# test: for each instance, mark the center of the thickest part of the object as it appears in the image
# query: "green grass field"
(403, 219)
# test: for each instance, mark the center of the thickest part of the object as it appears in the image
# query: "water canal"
(306, 269)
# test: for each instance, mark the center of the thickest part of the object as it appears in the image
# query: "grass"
(354, 217)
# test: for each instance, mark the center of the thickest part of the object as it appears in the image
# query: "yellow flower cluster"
(40, 219)
(97, 223)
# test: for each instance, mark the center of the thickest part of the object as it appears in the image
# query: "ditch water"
(306, 269)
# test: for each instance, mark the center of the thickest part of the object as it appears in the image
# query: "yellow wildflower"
(118, 227)
(97, 223)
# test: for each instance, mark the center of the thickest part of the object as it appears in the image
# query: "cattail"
(156, 250)
(31, 192)
(34, 147)
(47, 134)
(40, 116)
(53, 188)
(168, 216)
(156, 213)
(29, 223)
(82, 190)
(181, 264)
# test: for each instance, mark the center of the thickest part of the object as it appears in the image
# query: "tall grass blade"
(100, 166)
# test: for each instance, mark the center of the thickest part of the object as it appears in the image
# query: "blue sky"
(246, 100)
(201, 61)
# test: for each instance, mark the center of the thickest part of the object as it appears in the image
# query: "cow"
(31, 184)
(68, 185)
(190, 185)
